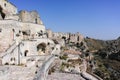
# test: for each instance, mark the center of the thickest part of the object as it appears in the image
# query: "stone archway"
(41, 48)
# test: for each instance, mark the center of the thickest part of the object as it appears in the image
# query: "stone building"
(7, 10)
(68, 37)
(76, 38)
(60, 35)
(22, 35)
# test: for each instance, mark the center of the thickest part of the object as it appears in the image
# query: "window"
(13, 30)
(36, 21)
(0, 30)
(48, 43)
(19, 31)
(25, 53)
(5, 4)
(12, 59)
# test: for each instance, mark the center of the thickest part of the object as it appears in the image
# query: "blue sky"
(94, 18)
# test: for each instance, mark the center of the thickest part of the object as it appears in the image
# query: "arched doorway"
(36, 21)
(25, 53)
(42, 47)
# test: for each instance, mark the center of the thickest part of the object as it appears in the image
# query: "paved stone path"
(64, 76)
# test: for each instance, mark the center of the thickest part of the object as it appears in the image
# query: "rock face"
(109, 47)
(112, 46)
(106, 56)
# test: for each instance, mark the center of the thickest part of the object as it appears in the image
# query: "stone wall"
(72, 37)
(17, 52)
(60, 35)
(32, 17)
(12, 55)
(11, 30)
(77, 37)
(31, 46)
(34, 28)
(8, 31)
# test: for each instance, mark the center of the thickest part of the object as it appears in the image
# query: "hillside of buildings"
(29, 51)
(102, 56)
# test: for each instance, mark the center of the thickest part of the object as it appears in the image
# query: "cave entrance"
(2, 13)
(42, 47)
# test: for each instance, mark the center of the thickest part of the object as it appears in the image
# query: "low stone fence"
(95, 76)
(43, 71)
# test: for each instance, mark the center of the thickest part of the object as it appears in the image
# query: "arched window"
(25, 53)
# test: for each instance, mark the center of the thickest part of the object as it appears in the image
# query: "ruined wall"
(60, 35)
(76, 37)
(49, 33)
(32, 17)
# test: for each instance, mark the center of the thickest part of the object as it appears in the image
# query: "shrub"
(64, 57)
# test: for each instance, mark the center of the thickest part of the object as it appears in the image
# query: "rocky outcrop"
(106, 57)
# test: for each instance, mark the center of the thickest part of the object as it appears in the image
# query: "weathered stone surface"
(31, 17)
